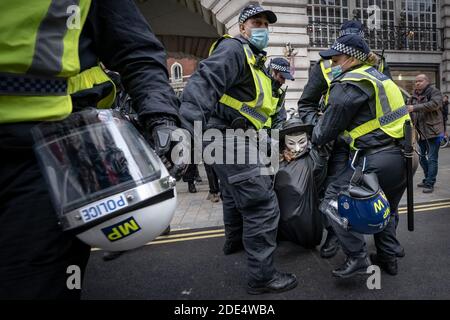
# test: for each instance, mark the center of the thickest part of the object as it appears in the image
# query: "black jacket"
(350, 105)
(118, 35)
(225, 71)
(308, 105)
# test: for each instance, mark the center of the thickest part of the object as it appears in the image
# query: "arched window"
(177, 72)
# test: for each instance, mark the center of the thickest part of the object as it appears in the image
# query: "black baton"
(409, 153)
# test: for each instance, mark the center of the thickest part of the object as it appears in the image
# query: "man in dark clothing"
(34, 251)
(425, 107)
(222, 95)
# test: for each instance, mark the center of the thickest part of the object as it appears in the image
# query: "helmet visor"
(92, 155)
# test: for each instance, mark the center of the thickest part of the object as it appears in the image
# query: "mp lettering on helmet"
(378, 206)
(121, 230)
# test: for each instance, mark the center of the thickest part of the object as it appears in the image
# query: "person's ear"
(242, 29)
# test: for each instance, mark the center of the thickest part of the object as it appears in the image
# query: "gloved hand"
(159, 131)
(161, 137)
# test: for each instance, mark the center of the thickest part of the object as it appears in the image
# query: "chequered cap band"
(249, 13)
(351, 31)
(350, 51)
(279, 68)
(11, 84)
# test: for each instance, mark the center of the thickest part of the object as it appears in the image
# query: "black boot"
(280, 282)
(331, 245)
(192, 188)
(231, 247)
(351, 267)
(388, 264)
(401, 253)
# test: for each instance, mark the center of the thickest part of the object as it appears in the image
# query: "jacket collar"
(424, 92)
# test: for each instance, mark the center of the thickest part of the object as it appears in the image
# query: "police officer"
(280, 71)
(309, 110)
(366, 110)
(320, 78)
(49, 69)
(233, 90)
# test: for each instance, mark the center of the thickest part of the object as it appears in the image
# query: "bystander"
(425, 106)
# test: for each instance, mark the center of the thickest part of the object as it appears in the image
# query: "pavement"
(194, 211)
(190, 265)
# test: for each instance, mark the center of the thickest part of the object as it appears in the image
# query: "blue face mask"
(338, 70)
(260, 38)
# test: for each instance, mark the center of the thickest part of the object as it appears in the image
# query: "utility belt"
(397, 144)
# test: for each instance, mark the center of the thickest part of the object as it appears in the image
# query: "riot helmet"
(107, 185)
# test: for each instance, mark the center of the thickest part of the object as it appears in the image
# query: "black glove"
(159, 133)
(159, 130)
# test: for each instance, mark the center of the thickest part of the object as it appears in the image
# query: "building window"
(420, 18)
(405, 77)
(177, 72)
(382, 34)
(325, 19)
(401, 25)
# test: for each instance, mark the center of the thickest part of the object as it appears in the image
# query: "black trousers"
(250, 209)
(191, 173)
(34, 252)
(337, 163)
(213, 181)
(389, 165)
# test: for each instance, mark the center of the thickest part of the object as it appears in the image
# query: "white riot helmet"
(107, 184)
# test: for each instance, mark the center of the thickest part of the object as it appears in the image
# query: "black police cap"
(254, 9)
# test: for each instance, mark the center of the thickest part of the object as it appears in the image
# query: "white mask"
(297, 144)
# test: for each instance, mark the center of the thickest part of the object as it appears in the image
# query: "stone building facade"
(414, 34)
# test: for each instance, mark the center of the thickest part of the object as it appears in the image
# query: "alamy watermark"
(74, 19)
(374, 280)
(374, 19)
(73, 281)
(230, 146)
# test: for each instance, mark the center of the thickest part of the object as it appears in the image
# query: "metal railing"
(323, 35)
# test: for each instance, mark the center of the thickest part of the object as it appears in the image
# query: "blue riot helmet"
(364, 205)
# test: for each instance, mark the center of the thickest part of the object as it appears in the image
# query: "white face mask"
(297, 144)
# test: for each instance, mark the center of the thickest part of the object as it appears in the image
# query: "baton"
(409, 153)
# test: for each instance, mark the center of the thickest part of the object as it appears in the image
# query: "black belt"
(372, 151)
(29, 85)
